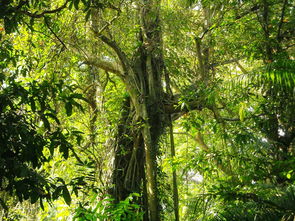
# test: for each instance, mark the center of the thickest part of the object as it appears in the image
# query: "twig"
(45, 20)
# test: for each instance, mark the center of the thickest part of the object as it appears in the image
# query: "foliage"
(31, 131)
(29, 126)
(106, 209)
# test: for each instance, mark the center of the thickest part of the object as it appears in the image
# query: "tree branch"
(111, 43)
(21, 4)
(105, 65)
(225, 62)
(282, 20)
(253, 9)
(55, 35)
(122, 56)
(42, 14)
(241, 68)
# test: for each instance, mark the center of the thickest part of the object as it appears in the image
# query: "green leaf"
(41, 204)
(289, 174)
(46, 122)
(64, 149)
(79, 106)
(71, 5)
(53, 116)
(33, 104)
(2, 203)
(69, 108)
(66, 195)
(242, 111)
(78, 96)
(85, 2)
(88, 15)
(10, 25)
(57, 193)
(183, 106)
(34, 197)
(76, 4)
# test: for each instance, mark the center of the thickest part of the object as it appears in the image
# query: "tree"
(146, 113)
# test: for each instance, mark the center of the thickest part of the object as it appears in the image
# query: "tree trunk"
(144, 116)
(138, 133)
(128, 165)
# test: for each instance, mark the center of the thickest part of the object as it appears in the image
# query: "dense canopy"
(147, 110)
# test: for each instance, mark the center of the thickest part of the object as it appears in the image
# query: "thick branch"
(105, 65)
(127, 73)
(122, 56)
